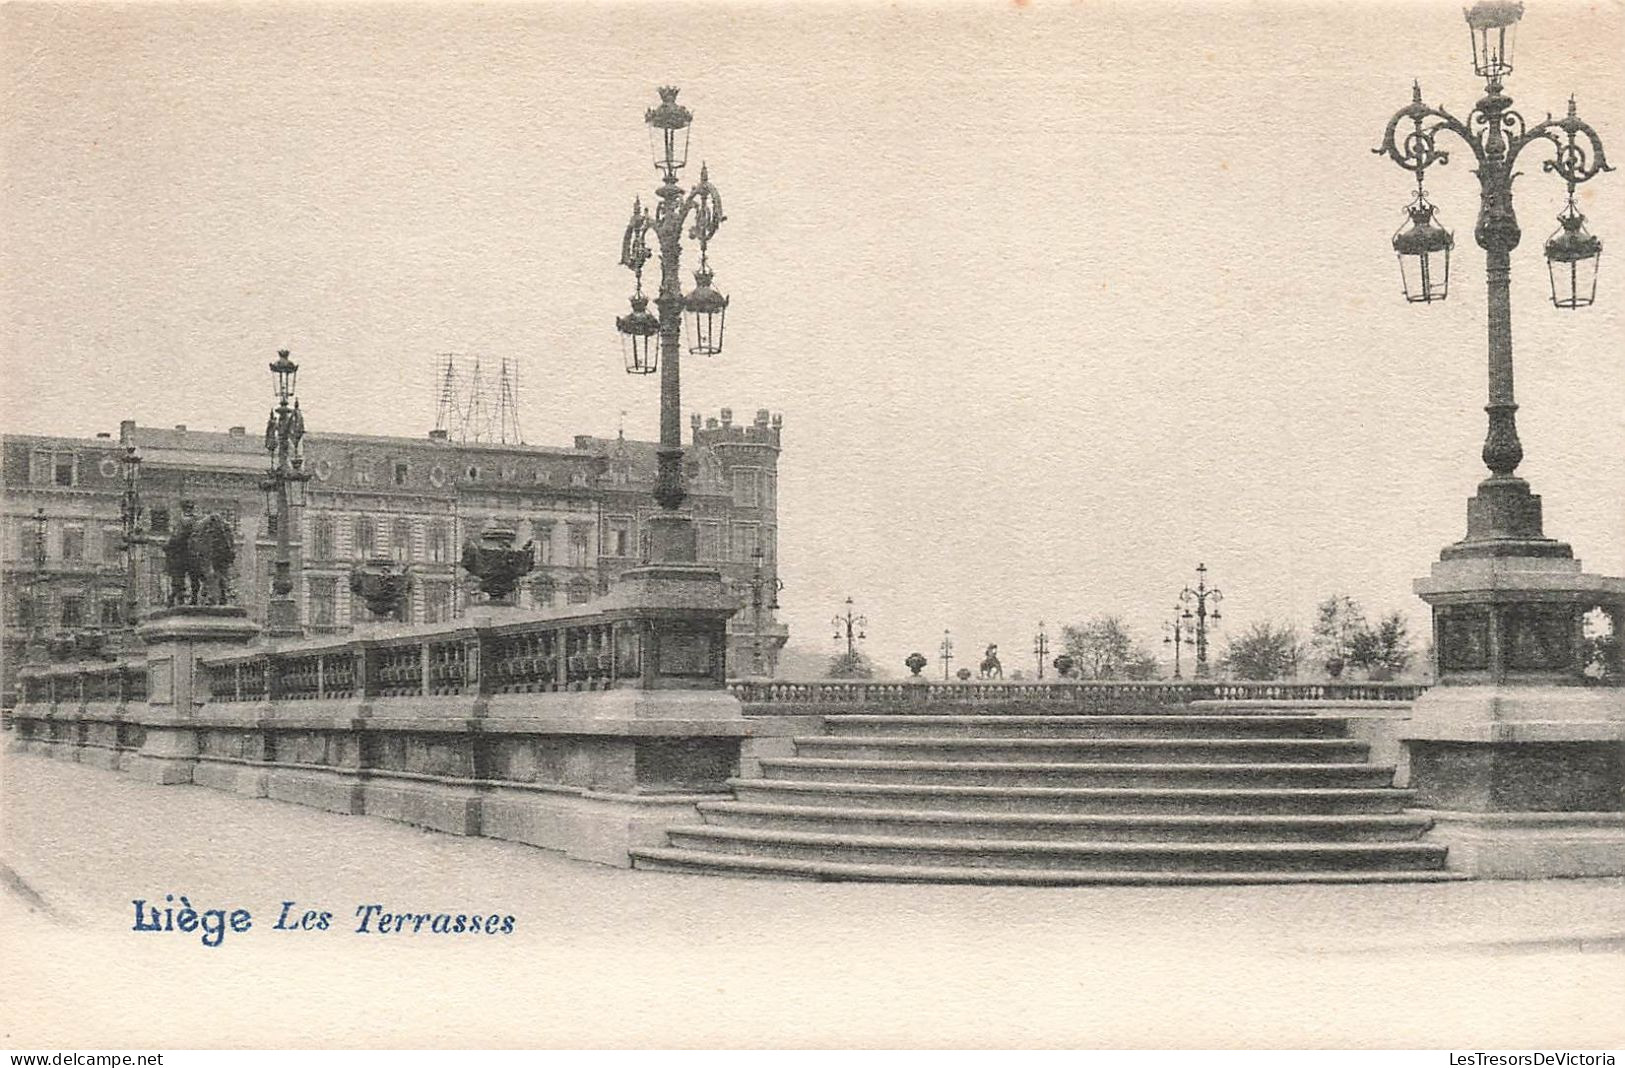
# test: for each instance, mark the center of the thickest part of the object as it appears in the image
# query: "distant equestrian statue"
(198, 558)
(991, 668)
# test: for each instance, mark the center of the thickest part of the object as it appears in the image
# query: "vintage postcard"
(983, 524)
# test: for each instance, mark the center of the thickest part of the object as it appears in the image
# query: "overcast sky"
(1056, 299)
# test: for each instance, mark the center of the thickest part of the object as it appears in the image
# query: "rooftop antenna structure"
(473, 403)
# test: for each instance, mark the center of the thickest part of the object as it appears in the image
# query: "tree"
(1142, 665)
(852, 665)
(1101, 648)
(1265, 651)
(1384, 649)
(1338, 621)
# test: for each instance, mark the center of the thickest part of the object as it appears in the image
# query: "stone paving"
(602, 956)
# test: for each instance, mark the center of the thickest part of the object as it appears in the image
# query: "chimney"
(439, 435)
(180, 428)
(126, 431)
(761, 417)
(103, 434)
(238, 431)
(727, 418)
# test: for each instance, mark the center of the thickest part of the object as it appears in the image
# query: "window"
(580, 590)
(67, 469)
(366, 536)
(620, 537)
(541, 532)
(745, 487)
(273, 523)
(73, 611)
(401, 471)
(321, 538)
(73, 543)
(744, 542)
(541, 591)
(159, 514)
(400, 538)
(436, 602)
(324, 599)
(112, 544)
(439, 543)
(709, 535)
(362, 471)
(112, 611)
(29, 542)
(20, 610)
(59, 467)
(580, 545)
(770, 489)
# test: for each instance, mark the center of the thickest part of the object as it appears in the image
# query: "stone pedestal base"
(1532, 845)
(586, 825)
(168, 755)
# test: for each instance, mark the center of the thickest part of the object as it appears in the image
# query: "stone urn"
(1063, 664)
(1334, 666)
(963, 674)
(496, 563)
(382, 583)
(915, 663)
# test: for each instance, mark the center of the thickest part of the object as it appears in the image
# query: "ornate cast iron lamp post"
(1041, 648)
(284, 485)
(672, 535)
(36, 606)
(1179, 633)
(945, 652)
(1504, 519)
(1200, 597)
(760, 584)
(853, 627)
(133, 534)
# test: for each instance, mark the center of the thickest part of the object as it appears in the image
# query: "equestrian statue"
(991, 668)
(197, 557)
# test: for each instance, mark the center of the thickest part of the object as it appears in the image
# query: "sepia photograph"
(727, 525)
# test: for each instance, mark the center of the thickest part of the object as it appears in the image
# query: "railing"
(537, 653)
(1085, 694)
(83, 683)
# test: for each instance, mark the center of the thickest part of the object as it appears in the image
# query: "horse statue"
(198, 558)
(991, 668)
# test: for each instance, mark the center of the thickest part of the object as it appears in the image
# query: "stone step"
(1088, 750)
(1038, 726)
(929, 823)
(1034, 773)
(1076, 800)
(697, 862)
(1074, 856)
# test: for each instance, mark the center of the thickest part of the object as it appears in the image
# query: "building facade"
(583, 508)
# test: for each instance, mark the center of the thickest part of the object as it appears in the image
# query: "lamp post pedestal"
(672, 539)
(1519, 749)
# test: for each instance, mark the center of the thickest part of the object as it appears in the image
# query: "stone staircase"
(1214, 792)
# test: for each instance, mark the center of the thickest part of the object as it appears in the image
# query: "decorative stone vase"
(915, 663)
(1063, 664)
(382, 584)
(963, 674)
(1334, 666)
(496, 563)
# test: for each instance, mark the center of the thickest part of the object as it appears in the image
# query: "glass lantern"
(1572, 257)
(1494, 24)
(668, 131)
(1423, 247)
(707, 311)
(638, 333)
(286, 373)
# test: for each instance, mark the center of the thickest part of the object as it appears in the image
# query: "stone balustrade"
(589, 730)
(773, 695)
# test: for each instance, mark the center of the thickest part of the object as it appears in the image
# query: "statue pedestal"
(1519, 751)
(174, 638)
